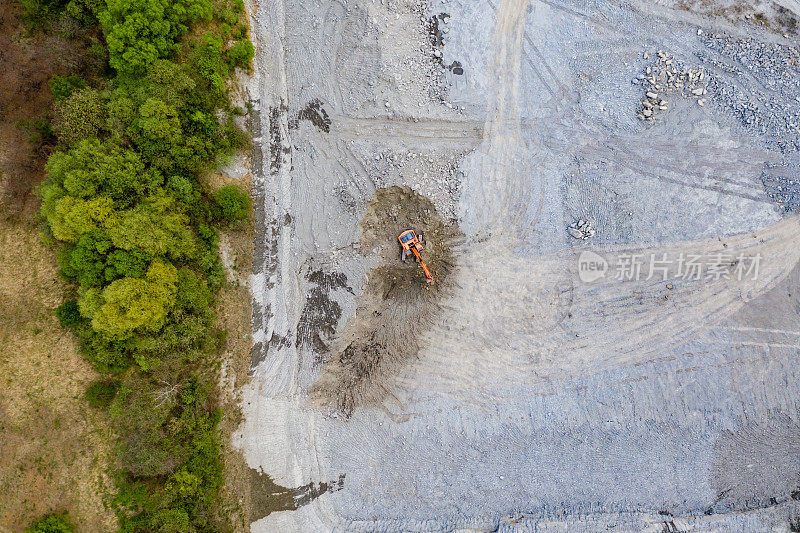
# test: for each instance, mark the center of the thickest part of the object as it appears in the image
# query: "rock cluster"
(666, 76)
(582, 229)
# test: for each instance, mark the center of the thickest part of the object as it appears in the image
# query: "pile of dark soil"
(397, 305)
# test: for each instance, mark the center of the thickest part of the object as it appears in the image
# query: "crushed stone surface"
(527, 399)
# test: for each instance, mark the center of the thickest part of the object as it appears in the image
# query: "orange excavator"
(411, 244)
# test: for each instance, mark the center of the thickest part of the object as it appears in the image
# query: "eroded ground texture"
(515, 395)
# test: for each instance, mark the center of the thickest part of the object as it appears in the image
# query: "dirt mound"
(397, 305)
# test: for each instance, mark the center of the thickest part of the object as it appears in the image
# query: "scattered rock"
(667, 76)
(581, 229)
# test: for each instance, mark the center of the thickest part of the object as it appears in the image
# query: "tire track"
(529, 331)
(427, 130)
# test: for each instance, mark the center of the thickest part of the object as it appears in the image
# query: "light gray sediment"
(536, 402)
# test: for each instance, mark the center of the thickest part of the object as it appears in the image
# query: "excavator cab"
(410, 244)
(408, 239)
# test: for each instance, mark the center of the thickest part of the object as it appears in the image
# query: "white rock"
(652, 95)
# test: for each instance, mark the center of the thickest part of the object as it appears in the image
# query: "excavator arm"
(428, 275)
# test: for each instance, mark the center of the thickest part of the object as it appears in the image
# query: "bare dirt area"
(521, 395)
(776, 16)
(54, 448)
(397, 305)
(29, 61)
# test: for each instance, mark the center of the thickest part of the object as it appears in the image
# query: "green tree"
(241, 54)
(157, 226)
(193, 292)
(209, 65)
(94, 168)
(71, 217)
(88, 259)
(140, 32)
(52, 523)
(128, 304)
(156, 130)
(126, 263)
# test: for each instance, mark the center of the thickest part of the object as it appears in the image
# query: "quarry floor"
(516, 394)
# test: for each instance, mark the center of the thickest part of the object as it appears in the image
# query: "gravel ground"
(536, 400)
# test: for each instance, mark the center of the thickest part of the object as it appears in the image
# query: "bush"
(39, 14)
(234, 204)
(241, 54)
(39, 130)
(68, 314)
(80, 115)
(100, 394)
(52, 523)
(63, 86)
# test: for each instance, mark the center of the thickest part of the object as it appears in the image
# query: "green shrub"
(68, 314)
(150, 442)
(85, 11)
(63, 86)
(234, 204)
(241, 54)
(52, 523)
(80, 115)
(107, 355)
(39, 14)
(39, 130)
(101, 393)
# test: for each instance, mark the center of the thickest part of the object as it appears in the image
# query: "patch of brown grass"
(54, 448)
(234, 312)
